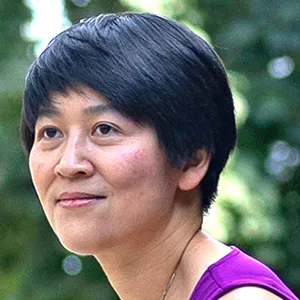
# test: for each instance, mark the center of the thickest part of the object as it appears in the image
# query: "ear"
(194, 170)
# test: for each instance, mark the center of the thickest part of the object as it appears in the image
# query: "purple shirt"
(235, 270)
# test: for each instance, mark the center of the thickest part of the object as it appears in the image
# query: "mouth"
(75, 200)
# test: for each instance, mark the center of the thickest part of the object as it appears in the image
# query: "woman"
(128, 121)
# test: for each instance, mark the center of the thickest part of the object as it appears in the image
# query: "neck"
(143, 271)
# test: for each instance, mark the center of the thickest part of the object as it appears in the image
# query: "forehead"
(86, 99)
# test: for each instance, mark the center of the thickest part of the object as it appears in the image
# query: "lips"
(78, 199)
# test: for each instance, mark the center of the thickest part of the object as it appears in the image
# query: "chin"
(78, 246)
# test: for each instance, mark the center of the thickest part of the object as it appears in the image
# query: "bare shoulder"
(250, 292)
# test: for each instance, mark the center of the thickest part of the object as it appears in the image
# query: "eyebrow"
(48, 111)
(52, 111)
(99, 109)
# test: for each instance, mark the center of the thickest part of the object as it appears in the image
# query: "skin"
(125, 165)
(143, 211)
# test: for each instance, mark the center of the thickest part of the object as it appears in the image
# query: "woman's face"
(102, 179)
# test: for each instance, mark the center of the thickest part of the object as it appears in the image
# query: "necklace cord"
(163, 296)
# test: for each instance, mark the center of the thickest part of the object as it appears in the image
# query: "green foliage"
(249, 36)
(259, 204)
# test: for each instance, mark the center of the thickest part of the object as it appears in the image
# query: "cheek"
(40, 170)
(35, 166)
(133, 165)
(38, 166)
(140, 172)
(135, 159)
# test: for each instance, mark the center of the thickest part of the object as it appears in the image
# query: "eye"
(51, 133)
(104, 129)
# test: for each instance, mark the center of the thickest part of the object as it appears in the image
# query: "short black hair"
(153, 70)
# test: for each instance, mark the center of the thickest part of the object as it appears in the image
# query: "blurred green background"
(259, 204)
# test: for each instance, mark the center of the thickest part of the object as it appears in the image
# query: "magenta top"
(235, 270)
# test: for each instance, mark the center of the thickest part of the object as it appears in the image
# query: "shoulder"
(250, 292)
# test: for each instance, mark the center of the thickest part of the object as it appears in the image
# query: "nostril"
(74, 165)
(81, 173)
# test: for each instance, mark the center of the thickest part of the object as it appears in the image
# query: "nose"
(75, 160)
